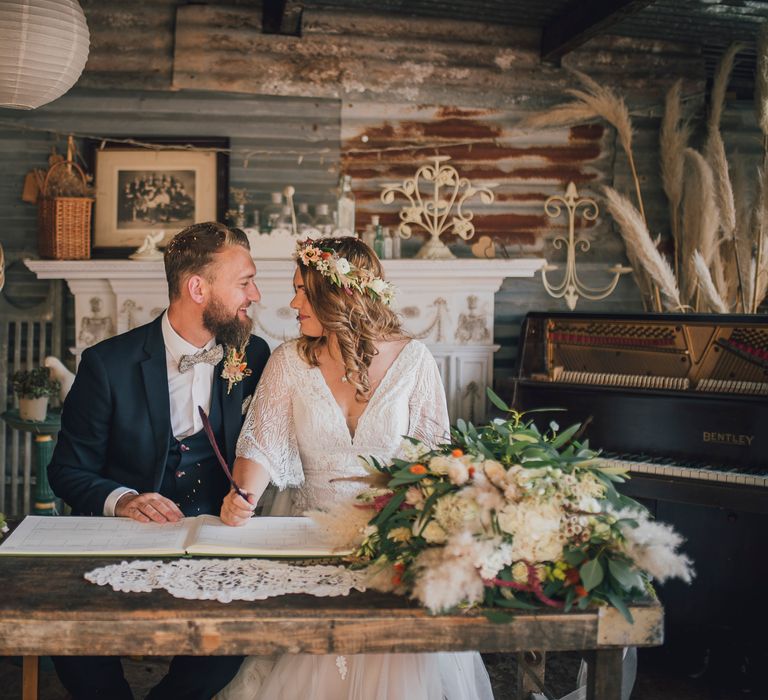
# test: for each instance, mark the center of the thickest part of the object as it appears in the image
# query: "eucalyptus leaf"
(496, 400)
(591, 574)
(498, 617)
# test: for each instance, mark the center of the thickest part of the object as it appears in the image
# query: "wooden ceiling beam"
(281, 17)
(580, 21)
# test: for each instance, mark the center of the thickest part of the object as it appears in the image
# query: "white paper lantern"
(43, 49)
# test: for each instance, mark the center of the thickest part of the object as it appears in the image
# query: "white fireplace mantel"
(446, 303)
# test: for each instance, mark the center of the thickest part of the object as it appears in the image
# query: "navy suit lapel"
(155, 374)
(230, 410)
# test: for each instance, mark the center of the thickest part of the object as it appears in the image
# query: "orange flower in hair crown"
(342, 272)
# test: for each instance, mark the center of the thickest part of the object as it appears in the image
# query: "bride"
(352, 384)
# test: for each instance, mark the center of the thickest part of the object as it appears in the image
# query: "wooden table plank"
(47, 607)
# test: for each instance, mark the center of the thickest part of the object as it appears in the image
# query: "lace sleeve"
(268, 435)
(427, 406)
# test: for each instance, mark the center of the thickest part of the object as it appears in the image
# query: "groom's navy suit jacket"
(116, 419)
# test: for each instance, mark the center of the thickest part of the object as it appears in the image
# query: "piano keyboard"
(668, 468)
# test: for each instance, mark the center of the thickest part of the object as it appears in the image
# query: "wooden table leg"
(530, 669)
(29, 671)
(604, 674)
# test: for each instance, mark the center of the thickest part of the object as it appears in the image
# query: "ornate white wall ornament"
(437, 323)
(96, 327)
(472, 326)
(434, 211)
(432, 291)
(129, 311)
(571, 286)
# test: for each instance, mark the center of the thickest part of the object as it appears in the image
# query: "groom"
(131, 441)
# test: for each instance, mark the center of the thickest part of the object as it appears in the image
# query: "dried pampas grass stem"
(711, 297)
(675, 134)
(594, 101)
(638, 240)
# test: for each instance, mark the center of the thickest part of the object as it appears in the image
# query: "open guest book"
(204, 535)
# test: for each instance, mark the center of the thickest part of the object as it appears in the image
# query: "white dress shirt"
(186, 392)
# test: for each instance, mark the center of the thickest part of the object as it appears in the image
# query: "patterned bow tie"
(212, 357)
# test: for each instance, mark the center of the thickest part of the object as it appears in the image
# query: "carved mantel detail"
(447, 303)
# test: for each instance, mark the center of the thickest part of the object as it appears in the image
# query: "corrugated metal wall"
(400, 83)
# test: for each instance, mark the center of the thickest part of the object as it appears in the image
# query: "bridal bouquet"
(506, 516)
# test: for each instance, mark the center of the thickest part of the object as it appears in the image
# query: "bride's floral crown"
(342, 272)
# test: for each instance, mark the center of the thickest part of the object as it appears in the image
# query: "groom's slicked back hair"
(191, 251)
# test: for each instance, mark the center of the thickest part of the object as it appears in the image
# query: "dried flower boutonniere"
(235, 367)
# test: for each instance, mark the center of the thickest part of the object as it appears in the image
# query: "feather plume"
(673, 141)
(760, 240)
(637, 239)
(711, 297)
(718, 161)
(700, 220)
(761, 80)
(743, 199)
(720, 84)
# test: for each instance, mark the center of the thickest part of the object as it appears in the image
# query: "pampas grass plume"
(761, 80)
(707, 287)
(637, 239)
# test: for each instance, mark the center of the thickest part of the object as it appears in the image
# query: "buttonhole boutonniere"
(235, 367)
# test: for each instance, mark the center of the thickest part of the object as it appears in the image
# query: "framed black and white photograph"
(141, 191)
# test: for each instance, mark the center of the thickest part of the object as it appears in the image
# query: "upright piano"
(681, 401)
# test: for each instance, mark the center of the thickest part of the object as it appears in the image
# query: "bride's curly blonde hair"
(356, 319)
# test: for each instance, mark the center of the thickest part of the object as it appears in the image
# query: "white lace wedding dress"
(298, 432)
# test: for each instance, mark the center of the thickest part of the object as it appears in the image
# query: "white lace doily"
(226, 580)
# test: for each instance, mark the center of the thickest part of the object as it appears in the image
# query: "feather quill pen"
(639, 244)
(212, 439)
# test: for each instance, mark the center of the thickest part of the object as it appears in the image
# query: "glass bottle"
(369, 234)
(378, 240)
(240, 216)
(387, 243)
(303, 219)
(284, 221)
(323, 220)
(396, 250)
(345, 207)
(272, 212)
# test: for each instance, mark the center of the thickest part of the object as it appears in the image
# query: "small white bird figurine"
(60, 372)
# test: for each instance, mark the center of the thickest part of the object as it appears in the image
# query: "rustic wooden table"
(47, 607)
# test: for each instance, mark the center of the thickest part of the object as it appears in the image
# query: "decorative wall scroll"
(445, 192)
(571, 286)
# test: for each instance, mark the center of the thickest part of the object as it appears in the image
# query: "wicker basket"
(64, 223)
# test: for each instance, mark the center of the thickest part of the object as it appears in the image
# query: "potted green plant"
(33, 387)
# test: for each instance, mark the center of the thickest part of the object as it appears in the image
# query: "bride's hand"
(235, 510)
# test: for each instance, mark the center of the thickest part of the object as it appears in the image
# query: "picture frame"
(140, 190)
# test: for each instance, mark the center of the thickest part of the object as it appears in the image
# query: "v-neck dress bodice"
(296, 429)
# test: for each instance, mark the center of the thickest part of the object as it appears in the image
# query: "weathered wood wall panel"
(267, 136)
(355, 56)
(411, 87)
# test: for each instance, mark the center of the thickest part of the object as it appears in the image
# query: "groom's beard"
(228, 329)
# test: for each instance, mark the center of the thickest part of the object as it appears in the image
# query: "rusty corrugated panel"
(381, 144)
(361, 57)
(131, 43)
